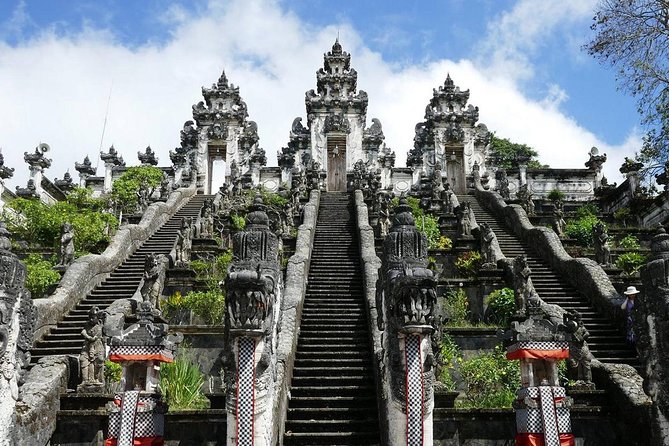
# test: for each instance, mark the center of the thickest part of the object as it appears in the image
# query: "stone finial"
(112, 157)
(148, 157)
(5, 172)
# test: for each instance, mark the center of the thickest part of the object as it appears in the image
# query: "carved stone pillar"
(253, 301)
(111, 159)
(37, 163)
(406, 294)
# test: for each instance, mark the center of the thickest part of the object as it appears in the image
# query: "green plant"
(586, 210)
(468, 263)
(238, 221)
(629, 242)
(40, 224)
(501, 305)
(456, 307)
(622, 214)
(425, 222)
(444, 243)
(449, 354)
(40, 275)
(182, 381)
(630, 262)
(113, 371)
(491, 380)
(125, 188)
(580, 229)
(556, 195)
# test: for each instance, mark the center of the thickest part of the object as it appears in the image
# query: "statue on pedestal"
(600, 237)
(92, 357)
(66, 254)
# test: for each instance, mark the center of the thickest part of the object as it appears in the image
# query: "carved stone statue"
(502, 183)
(153, 279)
(464, 214)
(559, 224)
(92, 357)
(524, 292)
(383, 223)
(489, 246)
(205, 223)
(164, 187)
(66, 254)
(142, 197)
(449, 200)
(600, 237)
(579, 352)
(525, 198)
(184, 244)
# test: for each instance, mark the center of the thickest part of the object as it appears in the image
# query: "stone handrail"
(370, 266)
(88, 271)
(291, 312)
(584, 274)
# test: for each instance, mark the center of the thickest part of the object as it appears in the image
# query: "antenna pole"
(104, 125)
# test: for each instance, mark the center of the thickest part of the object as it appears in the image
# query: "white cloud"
(56, 86)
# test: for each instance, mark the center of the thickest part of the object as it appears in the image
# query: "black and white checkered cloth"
(245, 391)
(414, 385)
(128, 412)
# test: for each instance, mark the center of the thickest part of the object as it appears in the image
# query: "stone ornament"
(579, 352)
(490, 249)
(524, 292)
(600, 237)
(153, 278)
(92, 357)
(465, 219)
(66, 252)
(558, 222)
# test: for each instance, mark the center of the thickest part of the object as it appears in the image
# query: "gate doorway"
(336, 176)
(455, 170)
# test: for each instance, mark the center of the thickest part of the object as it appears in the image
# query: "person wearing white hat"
(628, 306)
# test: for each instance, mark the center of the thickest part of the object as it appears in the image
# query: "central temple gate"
(336, 163)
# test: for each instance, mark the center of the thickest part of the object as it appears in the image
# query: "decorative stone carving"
(164, 187)
(579, 352)
(153, 278)
(205, 222)
(524, 196)
(336, 122)
(600, 237)
(143, 197)
(111, 157)
(406, 296)
(65, 184)
(28, 192)
(148, 157)
(524, 292)
(558, 222)
(92, 357)
(489, 246)
(502, 182)
(662, 178)
(253, 299)
(5, 172)
(465, 219)
(66, 253)
(17, 327)
(449, 200)
(184, 244)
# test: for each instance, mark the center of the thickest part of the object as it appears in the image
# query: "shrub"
(580, 229)
(630, 262)
(40, 223)
(556, 195)
(587, 209)
(125, 188)
(425, 222)
(622, 214)
(468, 263)
(457, 308)
(501, 306)
(238, 222)
(449, 354)
(491, 380)
(629, 242)
(113, 371)
(209, 305)
(182, 381)
(40, 275)
(444, 243)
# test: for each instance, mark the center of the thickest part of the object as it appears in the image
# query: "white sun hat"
(631, 290)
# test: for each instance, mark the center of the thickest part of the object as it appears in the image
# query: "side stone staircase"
(333, 395)
(122, 283)
(606, 342)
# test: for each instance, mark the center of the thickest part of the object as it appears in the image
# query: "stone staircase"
(333, 395)
(122, 283)
(607, 342)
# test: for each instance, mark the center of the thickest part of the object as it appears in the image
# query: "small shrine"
(137, 414)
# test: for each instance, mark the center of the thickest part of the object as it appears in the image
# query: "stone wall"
(370, 266)
(291, 311)
(88, 271)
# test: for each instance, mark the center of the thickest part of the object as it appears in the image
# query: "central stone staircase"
(333, 396)
(65, 338)
(606, 341)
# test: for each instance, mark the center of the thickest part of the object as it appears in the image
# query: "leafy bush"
(113, 371)
(501, 306)
(209, 305)
(468, 263)
(40, 275)
(425, 222)
(182, 381)
(587, 209)
(630, 262)
(556, 195)
(444, 243)
(40, 224)
(457, 308)
(125, 188)
(622, 214)
(449, 354)
(491, 380)
(580, 229)
(238, 222)
(629, 242)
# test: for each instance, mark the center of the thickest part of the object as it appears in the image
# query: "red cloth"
(156, 357)
(538, 354)
(144, 441)
(538, 440)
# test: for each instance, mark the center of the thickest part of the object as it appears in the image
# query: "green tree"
(125, 188)
(504, 153)
(633, 37)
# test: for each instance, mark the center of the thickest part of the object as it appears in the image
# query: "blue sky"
(521, 59)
